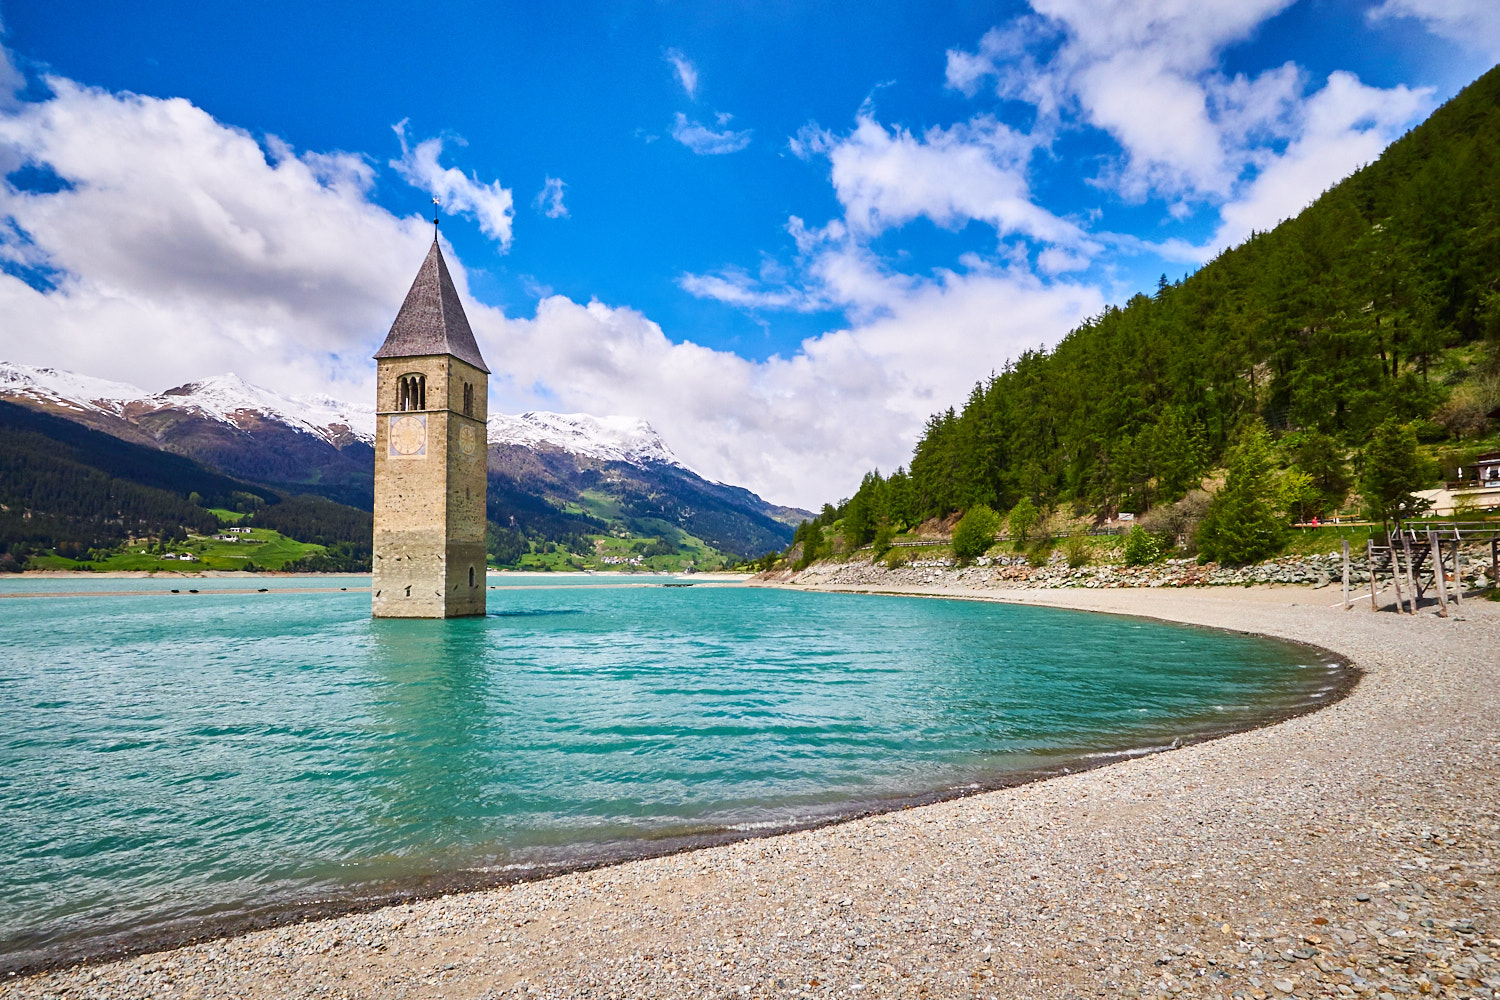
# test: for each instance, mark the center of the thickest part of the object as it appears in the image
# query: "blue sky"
(782, 232)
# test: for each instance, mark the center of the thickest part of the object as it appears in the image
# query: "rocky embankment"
(1014, 571)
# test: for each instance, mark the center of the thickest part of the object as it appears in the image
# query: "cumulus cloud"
(799, 429)
(687, 73)
(737, 288)
(181, 247)
(976, 170)
(884, 177)
(1006, 55)
(1473, 24)
(1147, 76)
(549, 200)
(1257, 147)
(491, 205)
(1344, 126)
(11, 80)
(706, 141)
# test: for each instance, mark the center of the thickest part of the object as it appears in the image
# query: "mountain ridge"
(551, 476)
(230, 399)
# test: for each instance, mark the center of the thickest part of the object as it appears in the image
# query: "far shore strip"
(1348, 852)
(270, 591)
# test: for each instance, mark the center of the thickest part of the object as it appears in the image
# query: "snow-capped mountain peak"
(610, 439)
(230, 398)
(67, 389)
(225, 398)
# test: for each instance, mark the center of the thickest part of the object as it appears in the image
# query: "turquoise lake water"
(165, 758)
(15, 584)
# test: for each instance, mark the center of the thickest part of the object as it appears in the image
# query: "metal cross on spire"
(435, 205)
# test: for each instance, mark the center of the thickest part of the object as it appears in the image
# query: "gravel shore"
(1350, 852)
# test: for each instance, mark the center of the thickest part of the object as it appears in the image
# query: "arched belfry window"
(468, 399)
(411, 392)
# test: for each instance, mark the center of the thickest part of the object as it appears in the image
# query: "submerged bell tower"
(431, 401)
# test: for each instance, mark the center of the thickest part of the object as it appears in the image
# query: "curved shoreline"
(101, 947)
(797, 859)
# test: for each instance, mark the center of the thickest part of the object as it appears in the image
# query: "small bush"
(1039, 553)
(975, 533)
(1142, 547)
(1178, 522)
(882, 541)
(1076, 548)
(1023, 517)
(896, 558)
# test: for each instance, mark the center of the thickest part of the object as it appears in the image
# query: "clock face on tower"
(468, 440)
(408, 435)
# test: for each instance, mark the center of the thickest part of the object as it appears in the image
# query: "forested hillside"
(346, 533)
(65, 486)
(79, 493)
(1380, 302)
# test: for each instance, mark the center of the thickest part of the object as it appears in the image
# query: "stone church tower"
(431, 399)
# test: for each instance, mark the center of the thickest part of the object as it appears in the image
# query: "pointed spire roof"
(432, 320)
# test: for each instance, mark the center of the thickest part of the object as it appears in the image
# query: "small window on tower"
(468, 399)
(471, 576)
(411, 392)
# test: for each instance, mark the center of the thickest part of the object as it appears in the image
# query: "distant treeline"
(346, 532)
(64, 484)
(1320, 330)
(79, 492)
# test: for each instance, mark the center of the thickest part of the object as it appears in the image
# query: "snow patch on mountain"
(609, 439)
(225, 398)
(69, 390)
(230, 398)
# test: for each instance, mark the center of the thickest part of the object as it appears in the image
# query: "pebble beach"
(1348, 852)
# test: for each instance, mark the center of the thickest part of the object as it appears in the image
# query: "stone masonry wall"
(430, 509)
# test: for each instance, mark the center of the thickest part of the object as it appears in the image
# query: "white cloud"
(970, 171)
(834, 270)
(491, 205)
(799, 429)
(1473, 24)
(1256, 147)
(735, 287)
(1006, 55)
(687, 73)
(183, 249)
(1147, 76)
(705, 141)
(549, 200)
(1054, 260)
(11, 80)
(1345, 125)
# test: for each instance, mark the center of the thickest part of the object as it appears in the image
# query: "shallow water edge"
(95, 949)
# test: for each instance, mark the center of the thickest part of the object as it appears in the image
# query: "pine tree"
(1391, 470)
(1241, 525)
